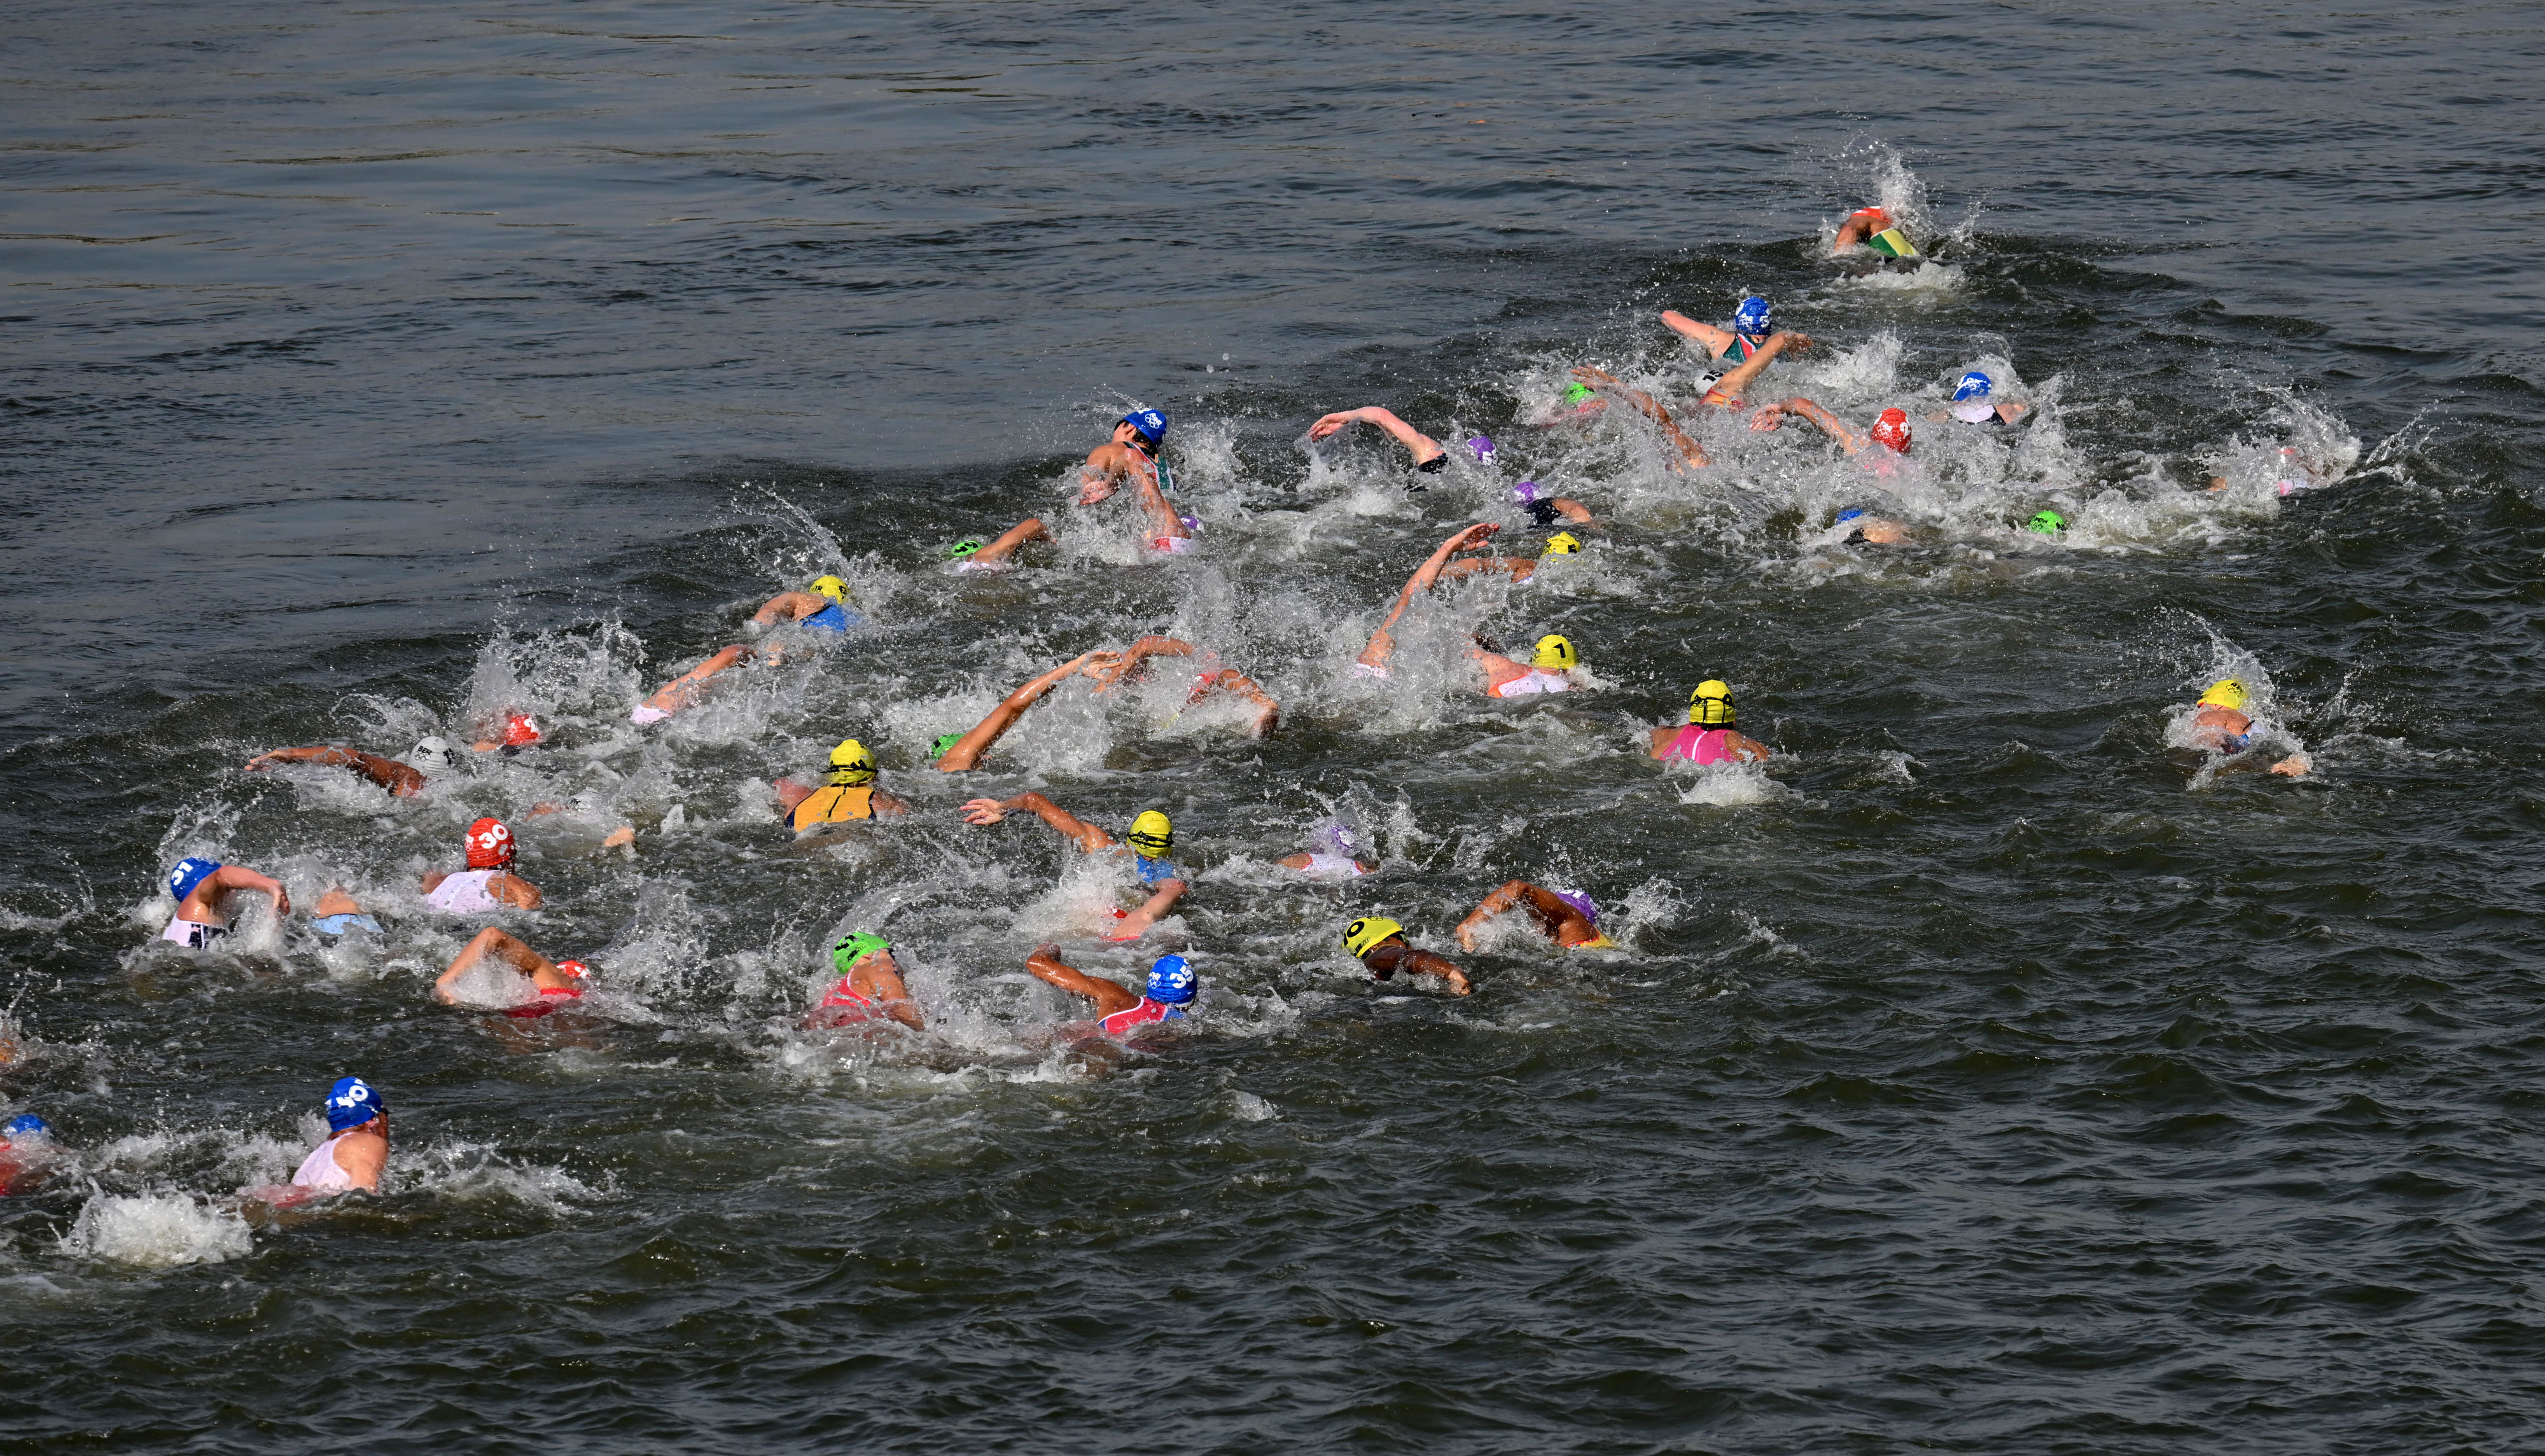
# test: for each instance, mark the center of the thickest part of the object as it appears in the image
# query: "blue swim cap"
(1171, 980)
(1753, 317)
(1843, 516)
(1974, 385)
(28, 1126)
(188, 874)
(350, 1103)
(1149, 423)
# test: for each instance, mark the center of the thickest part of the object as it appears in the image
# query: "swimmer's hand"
(984, 811)
(1767, 418)
(1586, 375)
(1794, 339)
(1106, 668)
(1457, 980)
(1474, 538)
(2295, 765)
(622, 838)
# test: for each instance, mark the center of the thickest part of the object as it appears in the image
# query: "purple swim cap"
(1526, 492)
(1580, 901)
(1483, 448)
(1338, 839)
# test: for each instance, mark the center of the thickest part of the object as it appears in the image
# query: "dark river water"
(1987, 1072)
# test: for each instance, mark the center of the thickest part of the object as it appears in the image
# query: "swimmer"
(1650, 408)
(955, 754)
(1545, 507)
(2046, 522)
(402, 780)
(1169, 994)
(822, 607)
(1335, 857)
(26, 1148)
(1151, 838)
(2297, 472)
(1131, 457)
(2219, 725)
(488, 884)
(1549, 669)
(1974, 403)
(682, 690)
(1429, 457)
(1891, 431)
(339, 914)
(199, 885)
(1110, 670)
(1569, 918)
(1855, 525)
(1708, 736)
(514, 732)
(549, 981)
(1752, 324)
(1874, 227)
(870, 987)
(1521, 568)
(1379, 945)
(847, 792)
(357, 1149)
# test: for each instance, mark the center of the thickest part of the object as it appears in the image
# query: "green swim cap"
(1577, 394)
(962, 548)
(850, 948)
(2048, 522)
(945, 743)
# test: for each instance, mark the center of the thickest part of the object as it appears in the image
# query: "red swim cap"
(490, 844)
(1893, 429)
(576, 969)
(521, 730)
(1876, 213)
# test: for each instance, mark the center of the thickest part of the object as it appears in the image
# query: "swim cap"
(1753, 317)
(1974, 385)
(28, 1126)
(1171, 980)
(576, 969)
(1152, 834)
(945, 744)
(490, 844)
(1149, 423)
(962, 548)
(1526, 492)
(1553, 652)
(1846, 516)
(431, 753)
(2048, 522)
(521, 730)
(1893, 429)
(2226, 693)
(852, 765)
(1580, 900)
(855, 947)
(1364, 936)
(1562, 544)
(1710, 706)
(350, 1103)
(832, 587)
(188, 874)
(1483, 448)
(1579, 393)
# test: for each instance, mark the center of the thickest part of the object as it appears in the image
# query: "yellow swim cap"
(2226, 693)
(852, 765)
(1362, 936)
(1553, 652)
(1152, 834)
(1710, 706)
(831, 587)
(1562, 544)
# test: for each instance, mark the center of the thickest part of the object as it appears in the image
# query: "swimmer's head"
(1973, 385)
(1483, 448)
(1367, 933)
(521, 730)
(1338, 839)
(855, 947)
(188, 873)
(350, 1103)
(575, 969)
(1848, 514)
(1150, 425)
(836, 589)
(1577, 394)
(1526, 493)
(2226, 693)
(1171, 980)
(962, 548)
(1752, 317)
(944, 745)
(1580, 900)
(431, 753)
(2048, 522)
(852, 766)
(1893, 429)
(1554, 654)
(1710, 706)
(490, 844)
(26, 1127)
(1562, 544)
(1152, 834)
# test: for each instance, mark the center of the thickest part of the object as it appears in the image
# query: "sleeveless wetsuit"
(1701, 746)
(550, 995)
(830, 618)
(465, 893)
(1141, 1016)
(833, 806)
(1331, 864)
(1747, 345)
(193, 934)
(846, 1005)
(320, 1170)
(1531, 682)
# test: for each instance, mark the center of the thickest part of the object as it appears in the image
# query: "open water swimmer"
(1430, 456)
(2221, 726)
(846, 795)
(1151, 839)
(1873, 229)
(1975, 402)
(956, 753)
(198, 886)
(1336, 856)
(823, 606)
(1752, 324)
(28, 1154)
(489, 883)
(1133, 457)
(1379, 945)
(1551, 665)
(357, 1149)
(401, 779)
(498, 971)
(1211, 676)
(1569, 918)
(1167, 995)
(1709, 736)
(869, 991)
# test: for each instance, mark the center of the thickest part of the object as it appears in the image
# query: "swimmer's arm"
(1486, 909)
(1649, 407)
(885, 803)
(1163, 520)
(1424, 963)
(1746, 748)
(1110, 669)
(1063, 822)
(1572, 510)
(894, 996)
(1734, 384)
(1267, 711)
(1831, 425)
(362, 1155)
(1860, 225)
(1384, 641)
(1519, 568)
(1421, 445)
(234, 877)
(1153, 911)
(1662, 737)
(515, 891)
(967, 753)
(1714, 339)
(790, 794)
(496, 943)
(1046, 965)
(321, 754)
(788, 607)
